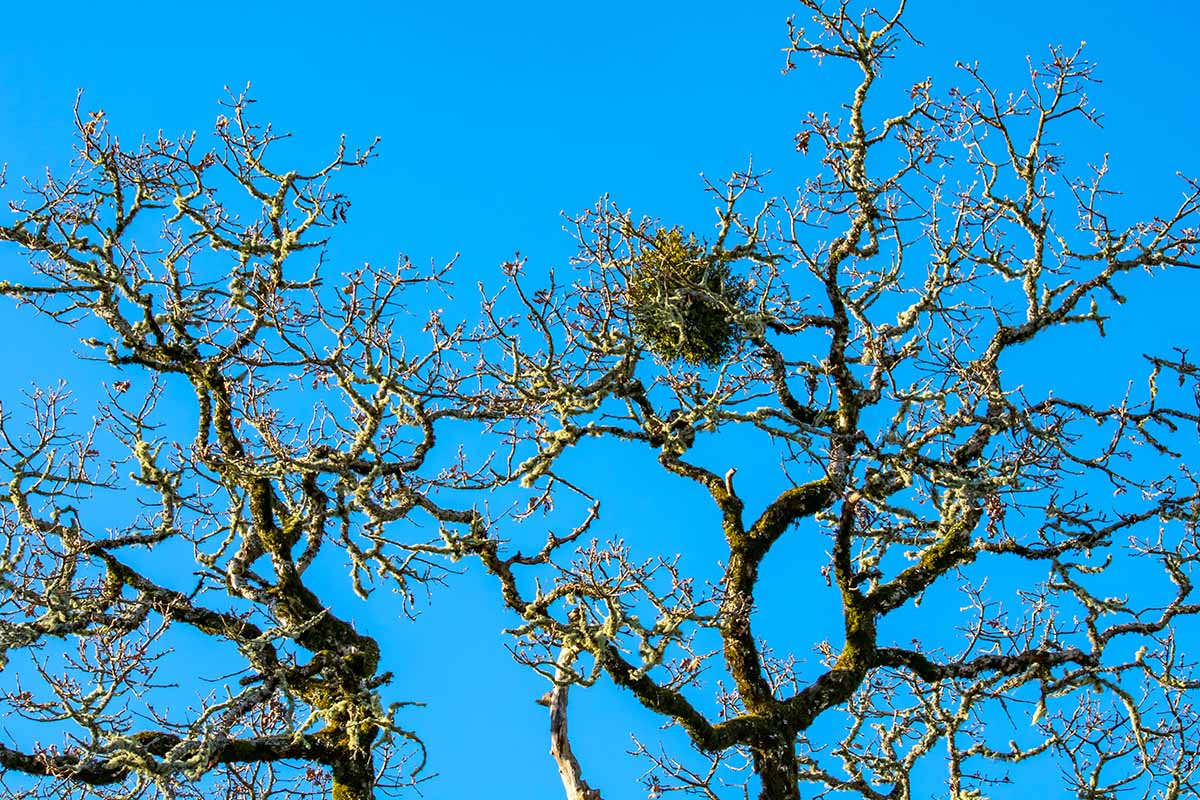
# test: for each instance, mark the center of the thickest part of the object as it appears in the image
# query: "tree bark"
(574, 785)
(775, 766)
(354, 777)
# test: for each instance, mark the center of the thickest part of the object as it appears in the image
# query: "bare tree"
(869, 334)
(268, 426)
(264, 429)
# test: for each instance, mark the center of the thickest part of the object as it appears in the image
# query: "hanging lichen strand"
(682, 300)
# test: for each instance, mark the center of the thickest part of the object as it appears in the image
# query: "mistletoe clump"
(683, 301)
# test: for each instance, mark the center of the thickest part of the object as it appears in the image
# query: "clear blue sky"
(495, 118)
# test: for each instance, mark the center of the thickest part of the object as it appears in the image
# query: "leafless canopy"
(1013, 566)
(881, 323)
(264, 421)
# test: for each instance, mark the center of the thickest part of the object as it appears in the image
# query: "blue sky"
(496, 118)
